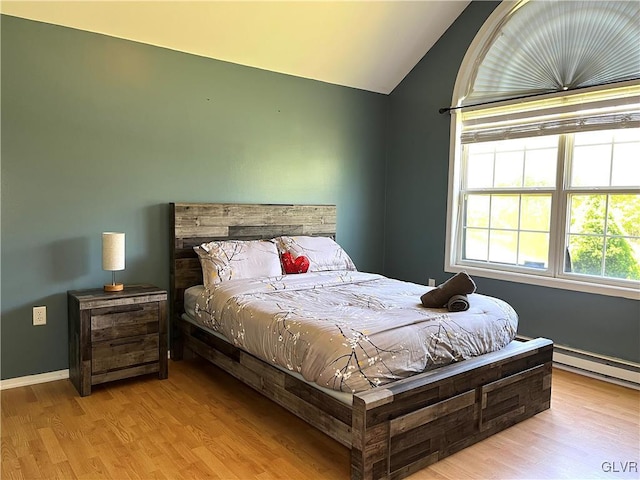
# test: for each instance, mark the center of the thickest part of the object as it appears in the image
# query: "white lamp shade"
(112, 251)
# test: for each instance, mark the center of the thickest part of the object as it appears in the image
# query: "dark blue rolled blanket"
(458, 303)
(461, 283)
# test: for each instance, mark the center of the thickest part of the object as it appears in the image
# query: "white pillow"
(323, 252)
(235, 259)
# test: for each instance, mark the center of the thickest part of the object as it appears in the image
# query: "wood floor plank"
(202, 423)
(29, 467)
(51, 444)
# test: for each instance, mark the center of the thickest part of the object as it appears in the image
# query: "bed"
(392, 430)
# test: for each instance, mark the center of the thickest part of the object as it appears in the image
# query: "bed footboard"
(403, 427)
(398, 429)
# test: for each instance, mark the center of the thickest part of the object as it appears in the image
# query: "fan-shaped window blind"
(551, 46)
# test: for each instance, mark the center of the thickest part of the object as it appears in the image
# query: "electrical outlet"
(39, 315)
(432, 282)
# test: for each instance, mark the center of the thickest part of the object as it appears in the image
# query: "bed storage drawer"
(426, 434)
(506, 401)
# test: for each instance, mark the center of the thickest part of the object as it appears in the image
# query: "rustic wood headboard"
(196, 223)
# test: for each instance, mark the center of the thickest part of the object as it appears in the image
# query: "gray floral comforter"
(351, 331)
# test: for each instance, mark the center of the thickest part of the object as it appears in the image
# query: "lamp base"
(115, 287)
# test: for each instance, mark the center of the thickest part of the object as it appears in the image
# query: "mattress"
(348, 331)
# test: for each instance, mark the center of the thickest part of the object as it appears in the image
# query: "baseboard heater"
(614, 370)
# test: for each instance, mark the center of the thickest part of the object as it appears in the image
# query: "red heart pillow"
(302, 264)
(299, 265)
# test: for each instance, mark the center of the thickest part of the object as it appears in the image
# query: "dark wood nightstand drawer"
(123, 352)
(123, 321)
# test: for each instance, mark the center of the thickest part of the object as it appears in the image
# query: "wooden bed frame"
(393, 430)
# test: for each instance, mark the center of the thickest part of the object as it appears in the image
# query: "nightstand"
(115, 335)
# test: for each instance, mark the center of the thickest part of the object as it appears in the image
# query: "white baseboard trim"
(39, 378)
(33, 379)
(610, 369)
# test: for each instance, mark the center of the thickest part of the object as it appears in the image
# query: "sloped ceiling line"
(369, 45)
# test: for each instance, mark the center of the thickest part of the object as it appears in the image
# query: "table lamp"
(113, 258)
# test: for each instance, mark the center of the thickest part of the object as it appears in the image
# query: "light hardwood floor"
(202, 423)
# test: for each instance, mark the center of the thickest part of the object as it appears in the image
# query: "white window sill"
(561, 283)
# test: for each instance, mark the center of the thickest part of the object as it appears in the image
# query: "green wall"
(417, 176)
(101, 134)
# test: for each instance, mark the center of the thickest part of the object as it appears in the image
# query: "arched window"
(544, 183)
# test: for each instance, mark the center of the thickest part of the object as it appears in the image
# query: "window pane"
(586, 254)
(501, 163)
(587, 213)
(610, 220)
(503, 240)
(509, 145)
(625, 210)
(626, 135)
(534, 250)
(540, 168)
(476, 244)
(542, 142)
(478, 211)
(536, 212)
(503, 246)
(531, 143)
(626, 164)
(505, 211)
(509, 167)
(591, 165)
(593, 138)
(483, 147)
(622, 258)
(480, 170)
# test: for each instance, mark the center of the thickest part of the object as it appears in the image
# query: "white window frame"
(554, 276)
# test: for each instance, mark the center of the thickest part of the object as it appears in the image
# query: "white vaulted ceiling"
(369, 45)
